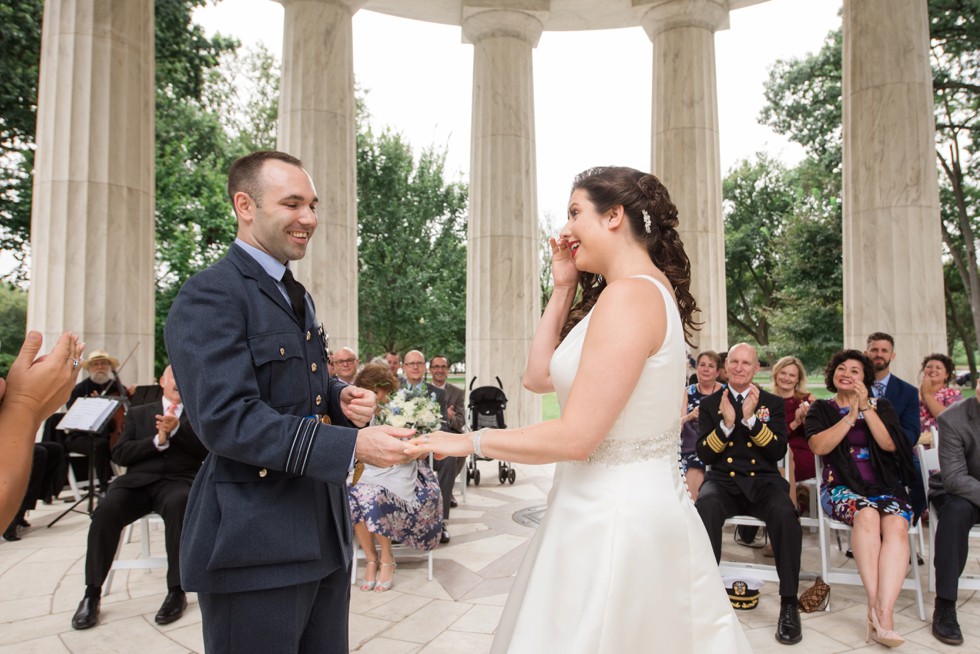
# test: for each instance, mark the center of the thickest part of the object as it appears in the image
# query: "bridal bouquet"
(412, 409)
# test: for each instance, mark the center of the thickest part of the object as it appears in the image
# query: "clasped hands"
(748, 407)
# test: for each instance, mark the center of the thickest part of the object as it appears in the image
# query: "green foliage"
(13, 324)
(757, 202)
(20, 48)
(411, 249)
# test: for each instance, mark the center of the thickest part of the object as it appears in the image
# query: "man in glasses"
(345, 364)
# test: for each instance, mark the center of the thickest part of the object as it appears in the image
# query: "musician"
(103, 381)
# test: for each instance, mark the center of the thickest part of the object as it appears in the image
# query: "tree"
(411, 249)
(20, 36)
(13, 324)
(757, 203)
(803, 103)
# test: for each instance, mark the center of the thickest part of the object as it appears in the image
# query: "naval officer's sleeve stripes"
(764, 437)
(715, 443)
(299, 451)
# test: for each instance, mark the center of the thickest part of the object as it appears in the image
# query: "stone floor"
(41, 582)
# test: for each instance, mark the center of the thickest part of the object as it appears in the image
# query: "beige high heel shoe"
(365, 584)
(888, 638)
(383, 586)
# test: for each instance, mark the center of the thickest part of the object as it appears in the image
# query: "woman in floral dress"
(866, 456)
(400, 503)
(935, 395)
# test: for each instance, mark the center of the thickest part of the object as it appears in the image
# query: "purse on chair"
(816, 597)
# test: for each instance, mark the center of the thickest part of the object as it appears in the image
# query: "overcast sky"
(592, 89)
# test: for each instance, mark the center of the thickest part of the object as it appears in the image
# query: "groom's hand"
(358, 404)
(380, 446)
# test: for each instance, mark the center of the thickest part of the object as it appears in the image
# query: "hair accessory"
(646, 221)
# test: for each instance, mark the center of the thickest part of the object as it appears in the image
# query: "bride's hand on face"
(562, 266)
(441, 444)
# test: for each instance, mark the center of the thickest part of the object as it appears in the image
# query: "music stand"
(88, 415)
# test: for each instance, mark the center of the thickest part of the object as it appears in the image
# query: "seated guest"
(162, 455)
(400, 503)
(866, 455)
(47, 471)
(955, 496)
(345, 363)
(706, 371)
(742, 437)
(935, 395)
(789, 383)
(101, 381)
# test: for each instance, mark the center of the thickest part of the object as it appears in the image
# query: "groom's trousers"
(303, 619)
(718, 502)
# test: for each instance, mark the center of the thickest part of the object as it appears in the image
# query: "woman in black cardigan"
(865, 455)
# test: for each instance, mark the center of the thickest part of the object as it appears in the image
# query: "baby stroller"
(487, 404)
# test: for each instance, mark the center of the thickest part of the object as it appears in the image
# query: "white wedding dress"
(621, 562)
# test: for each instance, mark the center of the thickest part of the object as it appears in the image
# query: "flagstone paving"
(41, 582)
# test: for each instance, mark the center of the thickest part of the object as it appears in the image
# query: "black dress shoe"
(22, 522)
(87, 614)
(788, 629)
(944, 624)
(11, 533)
(172, 608)
(453, 504)
(445, 536)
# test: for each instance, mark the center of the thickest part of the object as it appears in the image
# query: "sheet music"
(88, 414)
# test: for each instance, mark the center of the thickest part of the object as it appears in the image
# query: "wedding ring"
(74, 363)
(425, 439)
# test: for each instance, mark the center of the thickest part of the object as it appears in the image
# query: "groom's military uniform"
(267, 536)
(743, 478)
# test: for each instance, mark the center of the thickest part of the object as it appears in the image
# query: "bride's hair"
(645, 200)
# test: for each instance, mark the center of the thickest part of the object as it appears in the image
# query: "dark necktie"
(297, 296)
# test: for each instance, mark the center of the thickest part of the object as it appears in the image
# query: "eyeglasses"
(414, 364)
(343, 362)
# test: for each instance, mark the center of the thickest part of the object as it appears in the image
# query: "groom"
(267, 534)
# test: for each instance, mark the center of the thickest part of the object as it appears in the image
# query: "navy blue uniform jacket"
(269, 506)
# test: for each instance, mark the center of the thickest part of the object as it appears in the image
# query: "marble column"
(685, 149)
(503, 303)
(316, 124)
(92, 224)
(892, 240)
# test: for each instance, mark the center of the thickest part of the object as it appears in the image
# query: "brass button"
(731, 474)
(749, 444)
(753, 461)
(751, 474)
(308, 335)
(730, 459)
(313, 367)
(282, 351)
(263, 472)
(731, 444)
(318, 400)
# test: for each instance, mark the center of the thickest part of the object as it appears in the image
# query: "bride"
(621, 561)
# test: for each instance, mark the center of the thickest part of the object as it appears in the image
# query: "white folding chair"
(75, 485)
(929, 463)
(757, 570)
(146, 561)
(851, 576)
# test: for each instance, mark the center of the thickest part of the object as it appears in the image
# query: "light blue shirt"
(270, 265)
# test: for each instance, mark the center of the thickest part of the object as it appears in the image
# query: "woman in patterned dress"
(935, 395)
(400, 503)
(866, 455)
(707, 367)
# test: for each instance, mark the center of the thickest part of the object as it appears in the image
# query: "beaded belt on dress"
(622, 451)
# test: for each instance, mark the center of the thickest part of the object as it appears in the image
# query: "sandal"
(369, 584)
(383, 586)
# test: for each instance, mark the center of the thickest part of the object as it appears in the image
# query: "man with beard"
(101, 381)
(904, 397)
